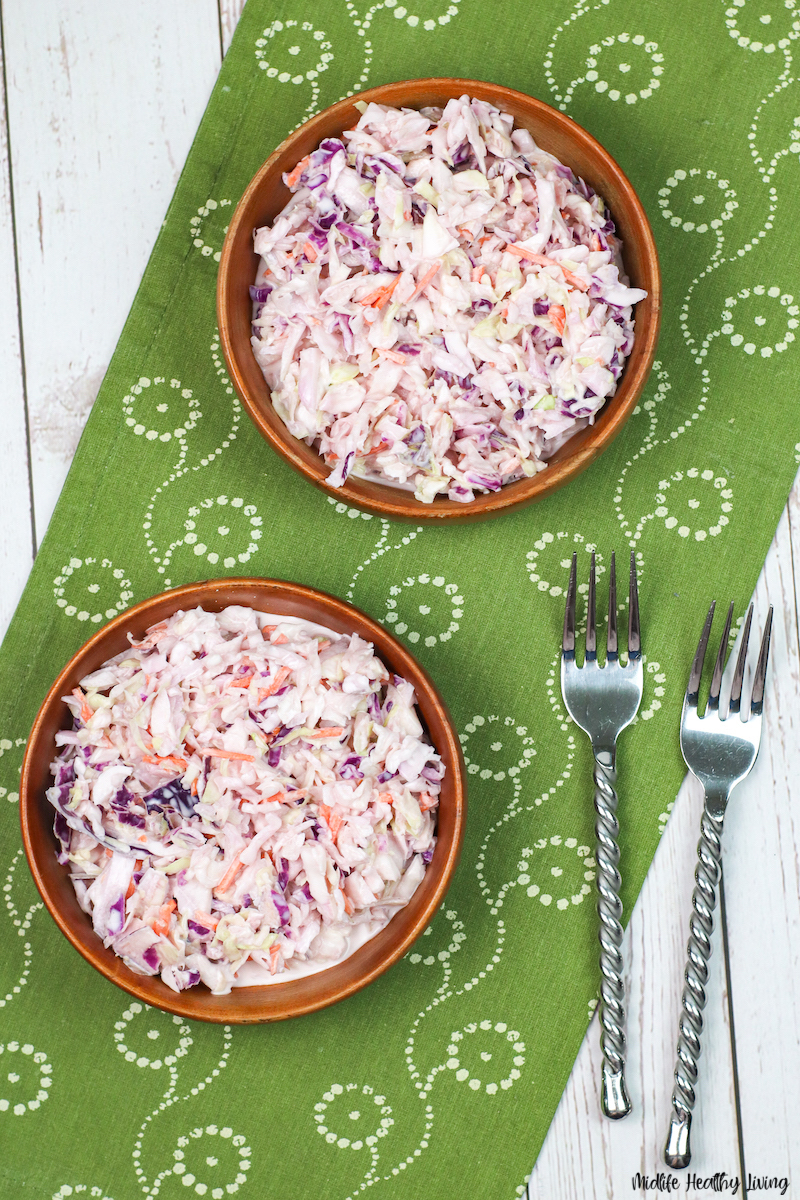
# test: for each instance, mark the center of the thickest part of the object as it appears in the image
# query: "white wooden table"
(100, 104)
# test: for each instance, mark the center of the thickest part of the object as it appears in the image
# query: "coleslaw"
(243, 798)
(441, 304)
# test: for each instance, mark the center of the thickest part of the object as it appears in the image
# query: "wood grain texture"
(586, 1155)
(229, 13)
(103, 101)
(762, 887)
(17, 536)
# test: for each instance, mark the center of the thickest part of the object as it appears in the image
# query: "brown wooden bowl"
(276, 1001)
(266, 195)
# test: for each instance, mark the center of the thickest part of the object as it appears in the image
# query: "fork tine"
(591, 614)
(612, 647)
(757, 697)
(634, 637)
(693, 687)
(738, 675)
(716, 678)
(568, 640)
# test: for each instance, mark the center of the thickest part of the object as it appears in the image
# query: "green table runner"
(446, 1073)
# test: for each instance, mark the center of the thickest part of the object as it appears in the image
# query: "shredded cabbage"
(440, 305)
(243, 798)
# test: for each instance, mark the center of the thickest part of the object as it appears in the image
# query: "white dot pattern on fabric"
(507, 1054)
(98, 593)
(197, 224)
(78, 1189)
(295, 52)
(444, 597)
(19, 1065)
(162, 412)
(155, 1041)
(18, 921)
(623, 66)
(11, 795)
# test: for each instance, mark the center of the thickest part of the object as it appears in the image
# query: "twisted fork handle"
(615, 1100)
(677, 1152)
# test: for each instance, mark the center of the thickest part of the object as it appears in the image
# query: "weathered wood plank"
(229, 13)
(762, 877)
(104, 101)
(16, 528)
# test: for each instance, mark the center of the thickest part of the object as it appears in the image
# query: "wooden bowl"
(266, 196)
(276, 1001)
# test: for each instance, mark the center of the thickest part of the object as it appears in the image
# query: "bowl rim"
(382, 499)
(190, 1003)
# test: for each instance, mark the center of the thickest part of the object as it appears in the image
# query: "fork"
(602, 701)
(719, 752)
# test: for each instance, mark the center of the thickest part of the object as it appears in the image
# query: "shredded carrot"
(378, 298)
(558, 316)
(204, 918)
(393, 355)
(575, 280)
(387, 797)
(543, 261)
(426, 278)
(349, 907)
(86, 709)
(381, 446)
(334, 731)
(277, 683)
(310, 251)
(194, 787)
(293, 176)
(137, 866)
(153, 636)
(233, 754)
(229, 876)
(523, 252)
(475, 274)
(267, 629)
(280, 640)
(160, 923)
(596, 243)
(170, 760)
(244, 682)
(298, 794)
(332, 819)
(427, 801)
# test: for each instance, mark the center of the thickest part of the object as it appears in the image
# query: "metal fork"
(719, 752)
(602, 701)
